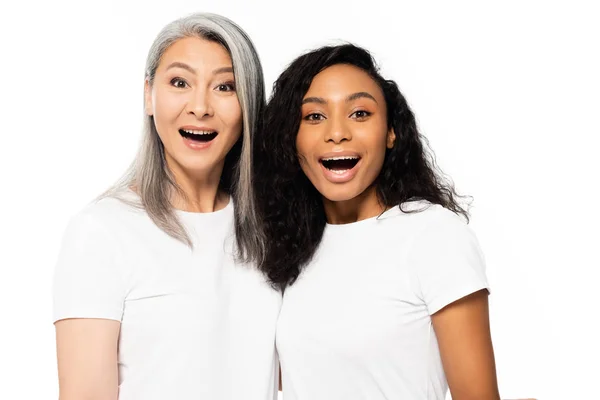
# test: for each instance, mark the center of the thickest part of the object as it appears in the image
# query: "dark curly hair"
(290, 207)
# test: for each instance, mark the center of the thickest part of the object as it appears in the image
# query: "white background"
(508, 95)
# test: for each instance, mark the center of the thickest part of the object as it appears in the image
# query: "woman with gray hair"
(153, 294)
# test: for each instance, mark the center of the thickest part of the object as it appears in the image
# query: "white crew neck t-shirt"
(194, 323)
(356, 325)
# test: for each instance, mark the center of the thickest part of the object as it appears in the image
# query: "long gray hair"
(149, 174)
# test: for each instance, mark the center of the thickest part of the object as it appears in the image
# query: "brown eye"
(314, 117)
(179, 83)
(360, 114)
(226, 87)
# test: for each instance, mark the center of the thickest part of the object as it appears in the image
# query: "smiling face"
(195, 107)
(343, 133)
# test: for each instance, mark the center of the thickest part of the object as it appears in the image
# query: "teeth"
(340, 158)
(339, 171)
(197, 132)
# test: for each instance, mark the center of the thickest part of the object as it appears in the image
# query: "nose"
(199, 104)
(337, 131)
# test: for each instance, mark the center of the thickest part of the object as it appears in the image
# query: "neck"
(366, 205)
(199, 192)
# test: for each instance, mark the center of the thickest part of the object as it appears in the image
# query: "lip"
(195, 145)
(347, 176)
(192, 144)
(197, 128)
(339, 154)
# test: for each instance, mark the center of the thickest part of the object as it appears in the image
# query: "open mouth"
(339, 165)
(198, 136)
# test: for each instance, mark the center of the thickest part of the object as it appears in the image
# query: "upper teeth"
(340, 158)
(198, 132)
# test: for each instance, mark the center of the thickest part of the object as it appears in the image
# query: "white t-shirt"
(357, 322)
(194, 324)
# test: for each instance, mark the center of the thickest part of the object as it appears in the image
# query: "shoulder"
(438, 218)
(436, 232)
(422, 217)
(102, 216)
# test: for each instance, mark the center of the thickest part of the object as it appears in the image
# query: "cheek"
(306, 145)
(167, 106)
(231, 114)
(377, 143)
(303, 142)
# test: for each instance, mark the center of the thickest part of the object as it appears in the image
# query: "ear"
(391, 138)
(148, 98)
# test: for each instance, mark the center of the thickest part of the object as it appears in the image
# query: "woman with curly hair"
(385, 292)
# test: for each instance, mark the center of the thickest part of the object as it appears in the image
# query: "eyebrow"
(359, 95)
(318, 100)
(223, 70)
(354, 96)
(181, 65)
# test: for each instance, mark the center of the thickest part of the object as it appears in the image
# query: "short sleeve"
(88, 282)
(447, 262)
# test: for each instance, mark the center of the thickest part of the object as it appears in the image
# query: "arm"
(87, 359)
(463, 332)
(89, 294)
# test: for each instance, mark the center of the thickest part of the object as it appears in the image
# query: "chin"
(340, 194)
(193, 167)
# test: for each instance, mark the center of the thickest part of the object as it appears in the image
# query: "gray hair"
(149, 174)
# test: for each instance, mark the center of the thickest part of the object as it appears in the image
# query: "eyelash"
(230, 86)
(174, 82)
(366, 114)
(310, 119)
(319, 117)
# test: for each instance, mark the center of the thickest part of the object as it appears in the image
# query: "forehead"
(196, 52)
(342, 80)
